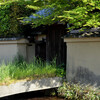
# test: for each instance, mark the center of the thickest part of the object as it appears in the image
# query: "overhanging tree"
(78, 13)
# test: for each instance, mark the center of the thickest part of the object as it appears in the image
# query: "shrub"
(78, 91)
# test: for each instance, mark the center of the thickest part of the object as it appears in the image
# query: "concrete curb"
(26, 86)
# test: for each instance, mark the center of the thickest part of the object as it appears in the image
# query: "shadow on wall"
(84, 75)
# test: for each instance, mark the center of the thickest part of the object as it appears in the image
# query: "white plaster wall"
(83, 60)
(10, 49)
(7, 52)
(30, 52)
(22, 50)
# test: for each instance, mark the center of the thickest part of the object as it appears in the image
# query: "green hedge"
(9, 14)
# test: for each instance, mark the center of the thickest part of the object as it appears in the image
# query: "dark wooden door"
(40, 50)
(55, 46)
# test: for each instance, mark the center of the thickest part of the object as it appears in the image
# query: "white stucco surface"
(11, 48)
(83, 60)
(31, 52)
(7, 52)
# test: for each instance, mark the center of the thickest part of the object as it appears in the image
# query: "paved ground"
(30, 85)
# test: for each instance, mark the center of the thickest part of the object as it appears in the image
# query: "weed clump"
(79, 91)
(20, 70)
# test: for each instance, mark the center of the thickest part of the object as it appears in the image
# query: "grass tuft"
(79, 91)
(20, 69)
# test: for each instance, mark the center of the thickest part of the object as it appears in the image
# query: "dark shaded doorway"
(40, 50)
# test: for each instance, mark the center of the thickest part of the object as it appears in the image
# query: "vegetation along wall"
(10, 12)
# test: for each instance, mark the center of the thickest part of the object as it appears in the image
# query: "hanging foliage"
(78, 13)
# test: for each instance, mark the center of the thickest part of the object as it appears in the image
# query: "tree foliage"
(78, 13)
(10, 11)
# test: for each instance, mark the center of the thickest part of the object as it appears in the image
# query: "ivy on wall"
(9, 14)
(4, 19)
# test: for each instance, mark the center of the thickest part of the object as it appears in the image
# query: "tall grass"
(20, 69)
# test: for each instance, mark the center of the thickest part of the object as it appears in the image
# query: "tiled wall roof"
(93, 32)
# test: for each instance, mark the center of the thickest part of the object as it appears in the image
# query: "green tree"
(78, 13)
(10, 11)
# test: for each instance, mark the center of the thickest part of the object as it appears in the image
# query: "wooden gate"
(55, 46)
